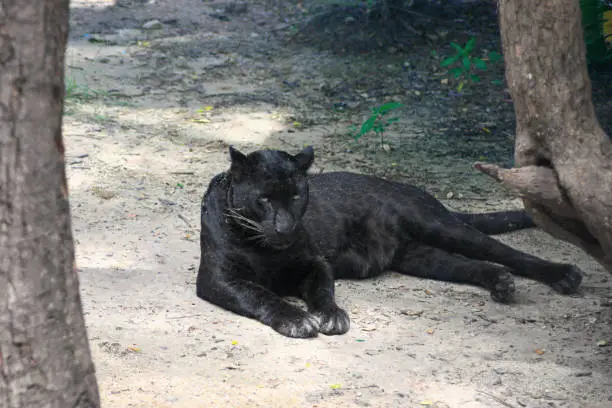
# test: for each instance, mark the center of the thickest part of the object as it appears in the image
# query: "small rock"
(127, 35)
(181, 62)
(237, 7)
(153, 25)
(220, 16)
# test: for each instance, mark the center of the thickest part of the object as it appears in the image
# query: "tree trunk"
(563, 157)
(45, 359)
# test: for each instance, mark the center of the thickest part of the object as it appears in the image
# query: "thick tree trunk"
(563, 157)
(45, 359)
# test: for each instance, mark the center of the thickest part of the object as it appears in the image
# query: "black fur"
(269, 230)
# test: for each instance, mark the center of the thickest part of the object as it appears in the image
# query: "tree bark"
(563, 157)
(45, 359)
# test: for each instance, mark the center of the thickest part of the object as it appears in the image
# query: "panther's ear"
(305, 158)
(238, 159)
(238, 163)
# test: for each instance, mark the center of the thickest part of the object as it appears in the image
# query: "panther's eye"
(296, 197)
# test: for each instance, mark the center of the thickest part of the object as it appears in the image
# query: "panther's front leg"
(318, 292)
(250, 299)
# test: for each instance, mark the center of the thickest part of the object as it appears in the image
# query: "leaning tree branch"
(563, 157)
(533, 183)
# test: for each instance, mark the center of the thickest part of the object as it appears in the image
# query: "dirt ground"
(150, 113)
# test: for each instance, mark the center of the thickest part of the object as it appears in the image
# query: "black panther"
(271, 230)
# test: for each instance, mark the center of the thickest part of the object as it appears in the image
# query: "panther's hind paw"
(503, 288)
(570, 282)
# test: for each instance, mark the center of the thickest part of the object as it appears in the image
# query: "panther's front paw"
(333, 320)
(296, 323)
(570, 280)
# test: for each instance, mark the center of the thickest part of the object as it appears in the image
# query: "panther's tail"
(497, 222)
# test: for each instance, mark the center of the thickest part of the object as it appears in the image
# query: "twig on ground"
(288, 143)
(185, 316)
(404, 10)
(497, 399)
(182, 217)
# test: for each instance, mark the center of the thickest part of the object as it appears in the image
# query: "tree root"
(549, 207)
(533, 183)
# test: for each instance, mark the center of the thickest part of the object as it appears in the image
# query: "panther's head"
(269, 194)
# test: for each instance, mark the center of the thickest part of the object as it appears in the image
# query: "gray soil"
(149, 116)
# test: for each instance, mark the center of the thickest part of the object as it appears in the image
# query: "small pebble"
(153, 25)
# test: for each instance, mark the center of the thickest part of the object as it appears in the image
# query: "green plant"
(376, 121)
(463, 65)
(76, 91)
(593, 19)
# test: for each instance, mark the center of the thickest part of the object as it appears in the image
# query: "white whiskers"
(245, 221)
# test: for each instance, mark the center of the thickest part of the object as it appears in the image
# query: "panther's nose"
(284, 224)
(285, 228)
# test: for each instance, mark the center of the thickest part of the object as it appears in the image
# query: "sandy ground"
(149, 117)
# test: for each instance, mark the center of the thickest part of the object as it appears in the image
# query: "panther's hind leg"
(433, 263)
(457, 237)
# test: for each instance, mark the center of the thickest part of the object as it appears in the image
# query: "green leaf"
(449, 61)
(433, 53)
(494, 56)
(460, 87)
(389, 106)
(367, 125)
(469, 46)
(478, 63)
(457, 47)
(456, 72)
(467, 63)
(392, 120)
(496, 82)
(475, 78)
